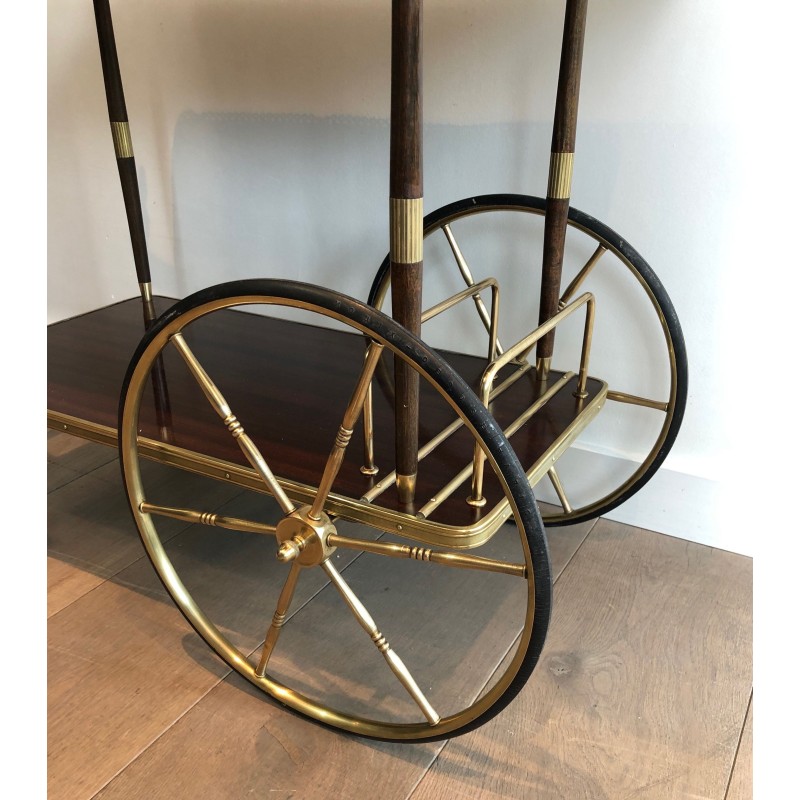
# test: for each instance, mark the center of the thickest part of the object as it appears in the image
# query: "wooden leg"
(405, 213)
(560, 179)
(123, 149)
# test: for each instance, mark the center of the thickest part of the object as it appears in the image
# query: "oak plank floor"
(642, 689)
(139, 707)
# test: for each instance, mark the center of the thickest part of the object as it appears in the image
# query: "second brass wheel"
(637, 347)
(355, 613)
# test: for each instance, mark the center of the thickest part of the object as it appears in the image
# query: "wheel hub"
(304, 539)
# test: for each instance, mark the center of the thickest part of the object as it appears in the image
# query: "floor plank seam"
(78, 476)
(577, 550)
(426, 770)
(160, 735)
(738, 745)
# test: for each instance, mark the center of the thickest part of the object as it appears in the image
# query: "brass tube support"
(632, 399)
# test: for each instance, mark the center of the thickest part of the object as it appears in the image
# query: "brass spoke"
(392, 659)
(557, 485)
(466, 274)
(461, 560)
(632, 399)
(207, 518)
(220, 405)
(279, 617)
(581, 276)
(351, 415)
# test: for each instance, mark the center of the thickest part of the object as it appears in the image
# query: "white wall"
(261, 137)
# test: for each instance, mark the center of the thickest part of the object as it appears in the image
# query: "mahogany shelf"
(288, 383)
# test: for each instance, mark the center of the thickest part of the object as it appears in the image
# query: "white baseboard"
(674, 503)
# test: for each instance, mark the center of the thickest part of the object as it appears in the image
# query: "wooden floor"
(644, 688)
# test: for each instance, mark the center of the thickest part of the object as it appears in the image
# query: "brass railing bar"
(523, 346)
(388, 480)
(465, 473)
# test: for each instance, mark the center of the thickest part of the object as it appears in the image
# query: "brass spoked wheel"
(637, 346)
(355, 613)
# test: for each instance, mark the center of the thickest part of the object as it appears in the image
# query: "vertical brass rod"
(405, 241)
(560, 176)
(392, 659)
(220, 405)
(369, 467)
(466, 274)
(279, 617)
(433, 443)
(351, 414)
(477, 464)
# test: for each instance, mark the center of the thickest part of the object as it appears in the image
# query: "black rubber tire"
(380, 327)
(602, 233)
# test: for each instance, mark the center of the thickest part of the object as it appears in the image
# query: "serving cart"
(389, 474)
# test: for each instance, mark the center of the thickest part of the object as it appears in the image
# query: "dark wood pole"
(405, 224)
(123, 148)
(560, 179)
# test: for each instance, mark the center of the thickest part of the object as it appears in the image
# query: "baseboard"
(672, 502)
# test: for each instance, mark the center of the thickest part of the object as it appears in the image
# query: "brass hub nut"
(310, 536)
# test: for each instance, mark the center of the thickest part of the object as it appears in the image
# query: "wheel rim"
(639, 275)
(245, 661)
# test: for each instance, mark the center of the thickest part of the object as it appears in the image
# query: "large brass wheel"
(360, 617)
(637, 346)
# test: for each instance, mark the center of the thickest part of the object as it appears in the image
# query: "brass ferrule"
(405, 230)
(121, 134)
(559, 183)
(543, 368)
(406, 487)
